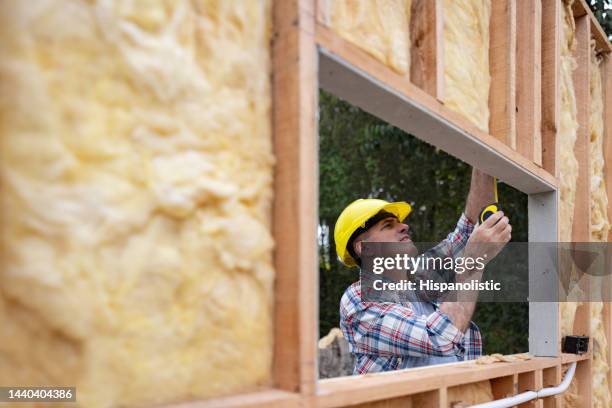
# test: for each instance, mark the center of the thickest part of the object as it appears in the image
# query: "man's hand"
(488, 238)
(486, 241)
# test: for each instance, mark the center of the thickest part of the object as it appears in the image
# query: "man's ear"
(357, 247)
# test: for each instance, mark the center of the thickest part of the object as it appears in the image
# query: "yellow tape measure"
(492, 208)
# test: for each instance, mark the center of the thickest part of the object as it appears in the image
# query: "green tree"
(603, 12)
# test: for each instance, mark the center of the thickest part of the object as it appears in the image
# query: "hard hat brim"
(399, 209)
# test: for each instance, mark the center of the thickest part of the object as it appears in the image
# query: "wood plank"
(585, 386)
(581, 230)
(504, 387)
(570, 358)
(551, 377)
(551, 37)
(427, 47)
(261, 399)
(443, 402)
(606, 67)
(502, 67)
(361, 80)
(295, 195)
(399, 402)
(429, 399)
(339, 392)
(323, 12)
(528, 80)
(343, 391)
(531, 381)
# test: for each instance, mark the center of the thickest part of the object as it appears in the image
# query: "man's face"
(386, 230)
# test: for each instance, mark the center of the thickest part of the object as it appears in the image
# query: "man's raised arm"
(481, 194)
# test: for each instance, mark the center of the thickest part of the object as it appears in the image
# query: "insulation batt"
(599, 229)
(470, 394)
(568, 126)
(600, 225)
(135, 176)
(466, 59)
(379, 27)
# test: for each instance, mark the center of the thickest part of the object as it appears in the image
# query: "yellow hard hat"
(355, 216)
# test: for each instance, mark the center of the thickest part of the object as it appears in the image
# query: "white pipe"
(531, 395)
(547, 392)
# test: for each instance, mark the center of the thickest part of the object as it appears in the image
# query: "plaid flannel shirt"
(381, 334)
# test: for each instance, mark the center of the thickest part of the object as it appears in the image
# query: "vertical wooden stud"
(427, 47)
(551, 36)
(551, 377)
(581, 230)
(430, 399)
(295, 200)
(606, 67)
(504, 387)
(528, 80)
(323, 9)
(530, 381)
(502, 53)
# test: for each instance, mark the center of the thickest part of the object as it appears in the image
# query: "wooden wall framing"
(522, 148)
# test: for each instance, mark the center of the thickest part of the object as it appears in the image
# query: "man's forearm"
(481, 193)
(460, 311)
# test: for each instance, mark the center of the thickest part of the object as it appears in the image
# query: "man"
(390, 336)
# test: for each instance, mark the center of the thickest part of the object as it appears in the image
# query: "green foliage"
(603, 12)
(362, 156)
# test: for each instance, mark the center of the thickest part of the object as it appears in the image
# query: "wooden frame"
(306, 53)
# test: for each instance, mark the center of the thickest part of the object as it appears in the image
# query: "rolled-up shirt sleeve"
(456, 240)
(451, 247)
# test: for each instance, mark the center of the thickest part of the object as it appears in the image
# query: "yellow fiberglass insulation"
(567, 133)
(466, 90)
(600, 225)
(599, 372)
(135, 176)
(470, 394)
(466, 59)
(568, 127)
(599, 231)
(379, 27)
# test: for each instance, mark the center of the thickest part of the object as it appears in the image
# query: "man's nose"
(403, 228)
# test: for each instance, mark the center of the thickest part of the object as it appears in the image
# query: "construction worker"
(391, 336)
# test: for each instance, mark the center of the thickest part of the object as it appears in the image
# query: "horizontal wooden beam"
(262, 399)
(351, 74)
(364, 388)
